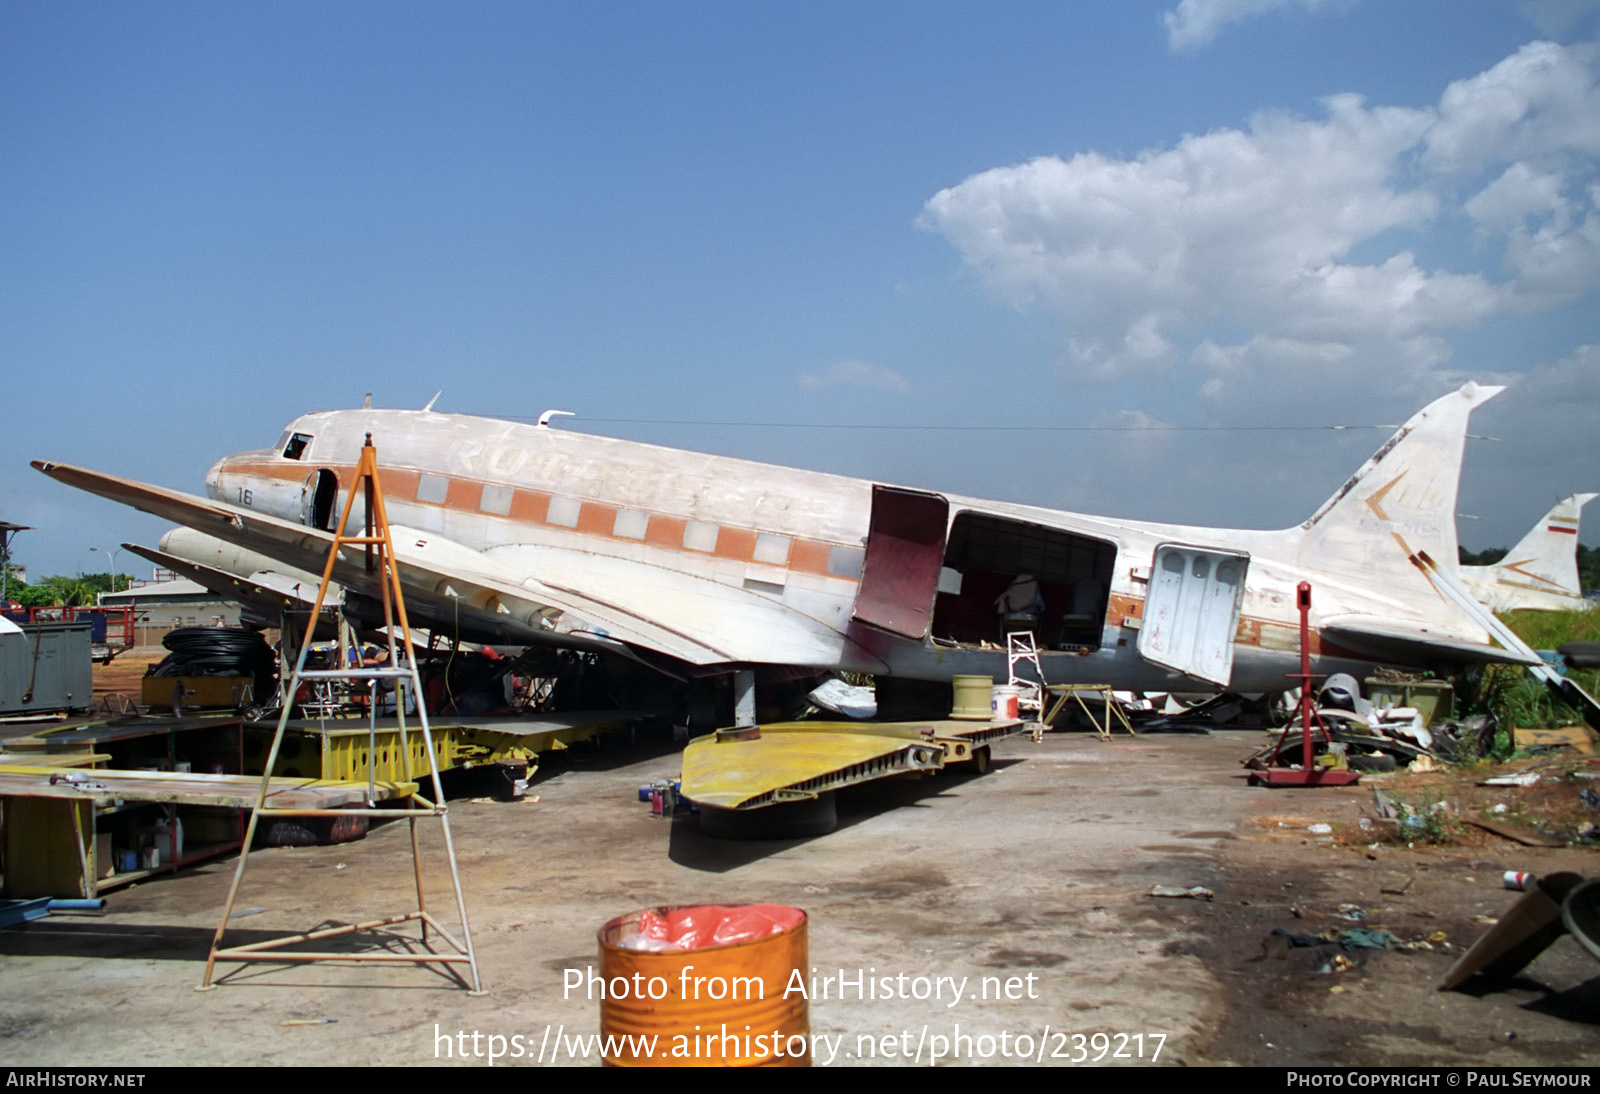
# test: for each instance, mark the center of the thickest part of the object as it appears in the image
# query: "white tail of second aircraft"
(1541, 572)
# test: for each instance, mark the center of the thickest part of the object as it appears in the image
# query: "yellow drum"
(973, 699)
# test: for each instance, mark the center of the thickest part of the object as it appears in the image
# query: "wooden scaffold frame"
(378, 548)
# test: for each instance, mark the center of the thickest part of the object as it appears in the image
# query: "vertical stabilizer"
(1541, 572)
(1403, 500)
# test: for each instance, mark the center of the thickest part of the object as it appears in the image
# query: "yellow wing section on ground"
(791, 761)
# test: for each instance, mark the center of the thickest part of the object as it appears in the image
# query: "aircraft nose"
(214, 479)
(218, 486)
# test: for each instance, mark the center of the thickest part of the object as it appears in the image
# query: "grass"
(1424, 819)
(1516, 699)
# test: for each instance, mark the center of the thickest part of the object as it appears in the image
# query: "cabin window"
(771, 549)
(295, 447)
(700, 535)
(845, 561)
(563, 511)
(432, 488)
(1001, 574)
(496, 500)
(630, 524)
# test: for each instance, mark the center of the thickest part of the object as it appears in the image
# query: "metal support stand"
(744, 698)
(401, 672)
(1066, 693)
(1309, 774)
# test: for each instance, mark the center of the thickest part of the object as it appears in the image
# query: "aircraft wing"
(1413, 642)
(442, 580)
(265, 592)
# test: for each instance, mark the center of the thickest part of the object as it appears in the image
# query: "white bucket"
(1003, 702)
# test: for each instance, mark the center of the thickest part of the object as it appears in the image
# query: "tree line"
(63, 589)
(1588, 562)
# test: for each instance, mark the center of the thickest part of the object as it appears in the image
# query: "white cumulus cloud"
(1541, 102)
(854, 374)
(1292, 244)
(1196, 23)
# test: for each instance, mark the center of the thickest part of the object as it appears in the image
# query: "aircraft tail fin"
(1546, 559)
(1406, 493)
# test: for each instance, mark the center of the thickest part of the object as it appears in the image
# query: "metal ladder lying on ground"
(1567, 690)
(378, 548)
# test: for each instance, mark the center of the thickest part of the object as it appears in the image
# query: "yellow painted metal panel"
(45, 851)
(198, 691)
(728, 774)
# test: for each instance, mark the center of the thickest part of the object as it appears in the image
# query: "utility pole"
(7, 530)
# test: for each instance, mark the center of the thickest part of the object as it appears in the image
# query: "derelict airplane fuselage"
(699, 564)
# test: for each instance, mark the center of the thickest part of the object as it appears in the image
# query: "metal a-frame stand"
(378, 548)
(1083, 695)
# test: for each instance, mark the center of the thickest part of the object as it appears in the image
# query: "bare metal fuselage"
(524, 534)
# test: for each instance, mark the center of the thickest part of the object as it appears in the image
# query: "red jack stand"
(1309, 774)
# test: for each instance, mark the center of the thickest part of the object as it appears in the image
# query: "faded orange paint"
(1123, 607)
(665, 532)
(463, 495)
(736, 543)
(1374, 500)
(396, 484)
(529, 507)
(808, 556)
(595, 519)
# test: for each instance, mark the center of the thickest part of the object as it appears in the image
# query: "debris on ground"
(1194, 892)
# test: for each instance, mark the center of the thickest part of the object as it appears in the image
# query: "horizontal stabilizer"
(1412, 643)
(265, 592)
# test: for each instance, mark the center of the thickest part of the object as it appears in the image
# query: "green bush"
(1516, 699)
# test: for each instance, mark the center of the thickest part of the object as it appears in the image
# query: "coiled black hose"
(219, 651)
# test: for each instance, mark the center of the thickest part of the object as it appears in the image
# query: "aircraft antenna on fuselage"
(433, 400)
(544, 419)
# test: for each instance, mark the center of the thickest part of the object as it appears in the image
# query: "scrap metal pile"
(1363, 737)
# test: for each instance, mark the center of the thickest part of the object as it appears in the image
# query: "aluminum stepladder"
(1021, 647)
(378, 547)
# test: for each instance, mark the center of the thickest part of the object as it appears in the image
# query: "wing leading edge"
(444, 579)
(461, 590)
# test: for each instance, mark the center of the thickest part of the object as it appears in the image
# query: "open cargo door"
(1192, 612)
(905, 549)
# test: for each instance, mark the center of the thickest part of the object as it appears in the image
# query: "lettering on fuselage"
(477, 459)
(1403, 527)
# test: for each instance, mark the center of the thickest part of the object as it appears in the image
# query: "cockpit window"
(296, 448)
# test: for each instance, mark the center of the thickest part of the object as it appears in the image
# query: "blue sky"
(1213, 213)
